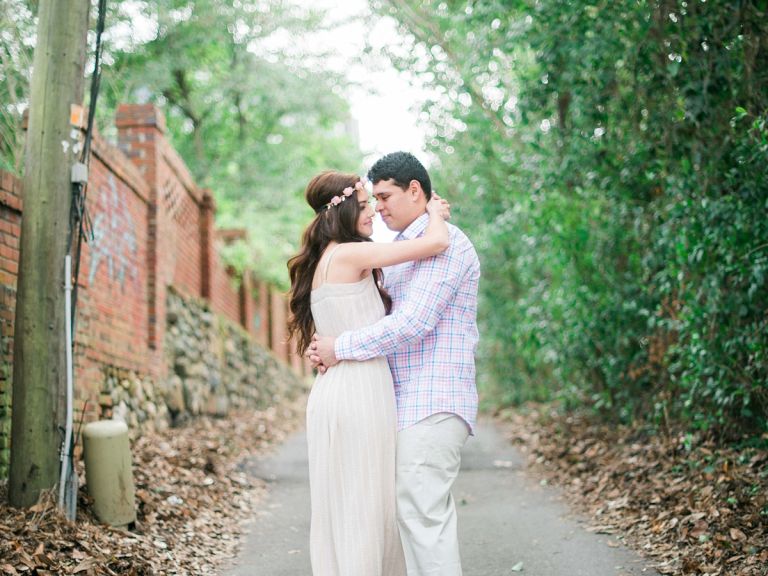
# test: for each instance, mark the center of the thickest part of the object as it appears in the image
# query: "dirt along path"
(509, 522)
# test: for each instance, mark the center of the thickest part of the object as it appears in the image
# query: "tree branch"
(428, 31)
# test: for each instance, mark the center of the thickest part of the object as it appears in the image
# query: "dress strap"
(328, 261)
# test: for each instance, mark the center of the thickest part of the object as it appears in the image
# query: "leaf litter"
(693, 507)
(192, 501)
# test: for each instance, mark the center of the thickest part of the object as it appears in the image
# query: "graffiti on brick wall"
(114, 238)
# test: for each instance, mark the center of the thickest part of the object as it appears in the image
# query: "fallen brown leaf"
(189, 513)
(737, 534)
(695, 507)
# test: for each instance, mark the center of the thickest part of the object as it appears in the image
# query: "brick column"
(297, 362)
(261, 305)
(207, 213)
(279, 339)
(246, 303)
(141, 136)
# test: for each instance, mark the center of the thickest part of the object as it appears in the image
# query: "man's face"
(398, 207)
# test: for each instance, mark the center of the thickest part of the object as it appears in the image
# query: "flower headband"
(346, 193)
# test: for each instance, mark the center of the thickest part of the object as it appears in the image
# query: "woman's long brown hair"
(337, 224)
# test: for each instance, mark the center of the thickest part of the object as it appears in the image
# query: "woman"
(351, 414)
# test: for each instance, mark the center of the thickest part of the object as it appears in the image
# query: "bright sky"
(384, 104)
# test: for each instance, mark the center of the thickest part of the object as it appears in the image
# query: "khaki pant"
(428, 461)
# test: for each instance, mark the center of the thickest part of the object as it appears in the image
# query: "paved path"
(505, 518)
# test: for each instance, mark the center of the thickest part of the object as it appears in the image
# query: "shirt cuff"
(342, 348)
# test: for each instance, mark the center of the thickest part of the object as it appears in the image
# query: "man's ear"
(415, 190)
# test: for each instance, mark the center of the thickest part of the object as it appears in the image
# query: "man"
(429, 339)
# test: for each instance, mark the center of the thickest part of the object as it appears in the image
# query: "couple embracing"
(395, 398)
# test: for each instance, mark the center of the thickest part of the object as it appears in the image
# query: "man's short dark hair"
(401, 167)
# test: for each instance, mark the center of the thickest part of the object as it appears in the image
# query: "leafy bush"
(610, 161)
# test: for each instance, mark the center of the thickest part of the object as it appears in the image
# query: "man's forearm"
(431, 290)
(386, 336)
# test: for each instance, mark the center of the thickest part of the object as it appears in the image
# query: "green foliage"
(253, 123)
(610, 161)
(17, 29)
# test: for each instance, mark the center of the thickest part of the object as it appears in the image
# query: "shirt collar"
(415, 228)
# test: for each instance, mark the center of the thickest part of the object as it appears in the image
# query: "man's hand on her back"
(314, 359)
(321, 353)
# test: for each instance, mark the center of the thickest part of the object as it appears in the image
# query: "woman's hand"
(439, 206)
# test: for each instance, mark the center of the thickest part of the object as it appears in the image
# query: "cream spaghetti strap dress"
(351, 436)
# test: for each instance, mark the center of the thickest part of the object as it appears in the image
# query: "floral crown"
(346, 193)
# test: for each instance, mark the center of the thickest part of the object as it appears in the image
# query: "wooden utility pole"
(39, 362)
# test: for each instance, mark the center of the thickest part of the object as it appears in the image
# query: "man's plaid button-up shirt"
(431, 334)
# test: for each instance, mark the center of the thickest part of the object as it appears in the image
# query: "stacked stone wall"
(216, 364)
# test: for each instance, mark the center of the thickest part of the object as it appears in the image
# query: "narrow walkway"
(506, 520)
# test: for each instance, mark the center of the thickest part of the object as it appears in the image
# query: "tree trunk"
(39, 371)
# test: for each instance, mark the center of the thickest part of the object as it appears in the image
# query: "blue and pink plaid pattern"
(431, 335)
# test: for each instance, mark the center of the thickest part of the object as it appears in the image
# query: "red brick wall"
(185, 254)
(297, 362)
(153, 230)
(278, 325)
(182, 208)
(246, 303)
(112, 324)
(207, 235)
(225, 294)
(10, 223)
(260, 321)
